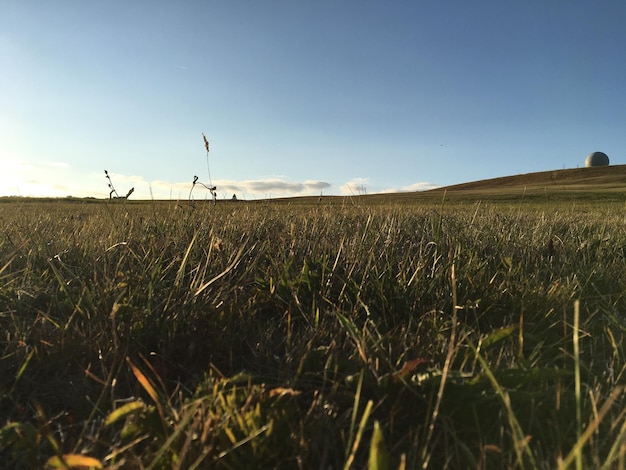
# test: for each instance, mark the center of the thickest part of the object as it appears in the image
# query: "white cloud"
(422, 186)
(355, 187)
(275, 185)
(22, 178)
(272, 187)
(317, 185)
(245, 189)
(58, 179)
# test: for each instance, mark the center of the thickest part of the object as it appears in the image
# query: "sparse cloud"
(23, 178)
(359, 186)
(245, 189)
(58, 179)
(354, 187)
(317, 185)
(272, 187)
(422, 186)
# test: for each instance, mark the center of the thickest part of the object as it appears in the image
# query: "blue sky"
(298, 98)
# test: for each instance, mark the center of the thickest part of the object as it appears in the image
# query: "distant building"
(597, 159)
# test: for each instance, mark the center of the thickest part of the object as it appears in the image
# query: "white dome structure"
(597, 159)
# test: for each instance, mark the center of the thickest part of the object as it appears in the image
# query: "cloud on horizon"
(360, 186)
(57, 179)
(415, 187)
(354, 187)
(246, 189)
(277, 185)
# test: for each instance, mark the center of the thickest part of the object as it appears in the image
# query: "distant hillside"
(607, 178)
(598, 184)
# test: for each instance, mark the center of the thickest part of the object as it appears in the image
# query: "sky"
(302, 98)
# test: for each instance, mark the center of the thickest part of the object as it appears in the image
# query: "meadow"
(366, 332)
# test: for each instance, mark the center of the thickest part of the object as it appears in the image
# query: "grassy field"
(441, 330)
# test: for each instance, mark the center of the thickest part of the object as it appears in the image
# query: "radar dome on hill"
(597, 159)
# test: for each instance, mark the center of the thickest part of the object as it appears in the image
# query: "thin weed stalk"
(524, 454)
(576, 452)
(576, 346)
(452, 349)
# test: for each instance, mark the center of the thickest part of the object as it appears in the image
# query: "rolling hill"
(598, 184)
(597, 179)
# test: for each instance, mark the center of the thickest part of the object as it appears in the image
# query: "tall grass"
(295, 336)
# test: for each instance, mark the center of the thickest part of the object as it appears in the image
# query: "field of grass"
(433, 332)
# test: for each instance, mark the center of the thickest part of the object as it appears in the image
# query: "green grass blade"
(359, 434)
(379, 456)
(520, 442)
